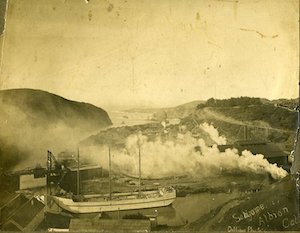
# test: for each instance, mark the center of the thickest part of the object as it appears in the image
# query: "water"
(190, 208)
(183, 210)
(129, 118)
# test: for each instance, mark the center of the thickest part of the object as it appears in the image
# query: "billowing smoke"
(175, 158)
(24, 141)
(213, 133)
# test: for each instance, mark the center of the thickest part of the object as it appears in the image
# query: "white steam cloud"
(175, 158)
(213, 133)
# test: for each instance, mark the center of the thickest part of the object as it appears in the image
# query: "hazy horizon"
(130, 107)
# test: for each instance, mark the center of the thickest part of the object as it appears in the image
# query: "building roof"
(10, 226)
(28, 171)
(25, 215)
(27, 212)
(93, 225)
(85, 167)
(269, 150)
(6, 197)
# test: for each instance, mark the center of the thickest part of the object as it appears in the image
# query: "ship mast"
(78, 173)
(48, 187)
(139, 170)
(109, 162)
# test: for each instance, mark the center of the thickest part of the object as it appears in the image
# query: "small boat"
(98, 203)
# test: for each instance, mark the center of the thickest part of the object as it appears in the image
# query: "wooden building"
(270, 151)
(87, 172)
(26, 179)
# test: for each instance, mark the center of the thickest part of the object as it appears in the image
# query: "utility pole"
(78, 173)
(109, 164)
(47, 178)
(140, 171)
(245, 132)
(4, 35)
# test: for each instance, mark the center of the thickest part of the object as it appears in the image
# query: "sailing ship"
(98, 203)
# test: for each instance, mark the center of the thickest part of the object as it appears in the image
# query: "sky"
(142, 53)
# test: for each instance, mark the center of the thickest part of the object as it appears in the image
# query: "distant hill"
(34, 121)
(263, 119)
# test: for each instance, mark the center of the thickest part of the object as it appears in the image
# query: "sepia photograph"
(149, 115)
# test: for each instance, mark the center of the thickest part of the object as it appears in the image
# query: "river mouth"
(123, 118)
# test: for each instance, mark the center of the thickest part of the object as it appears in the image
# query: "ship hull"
(116, 205)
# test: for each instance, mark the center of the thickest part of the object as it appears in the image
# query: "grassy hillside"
(277, 113)
(267, 120)
(276, 117)
(33, 121)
